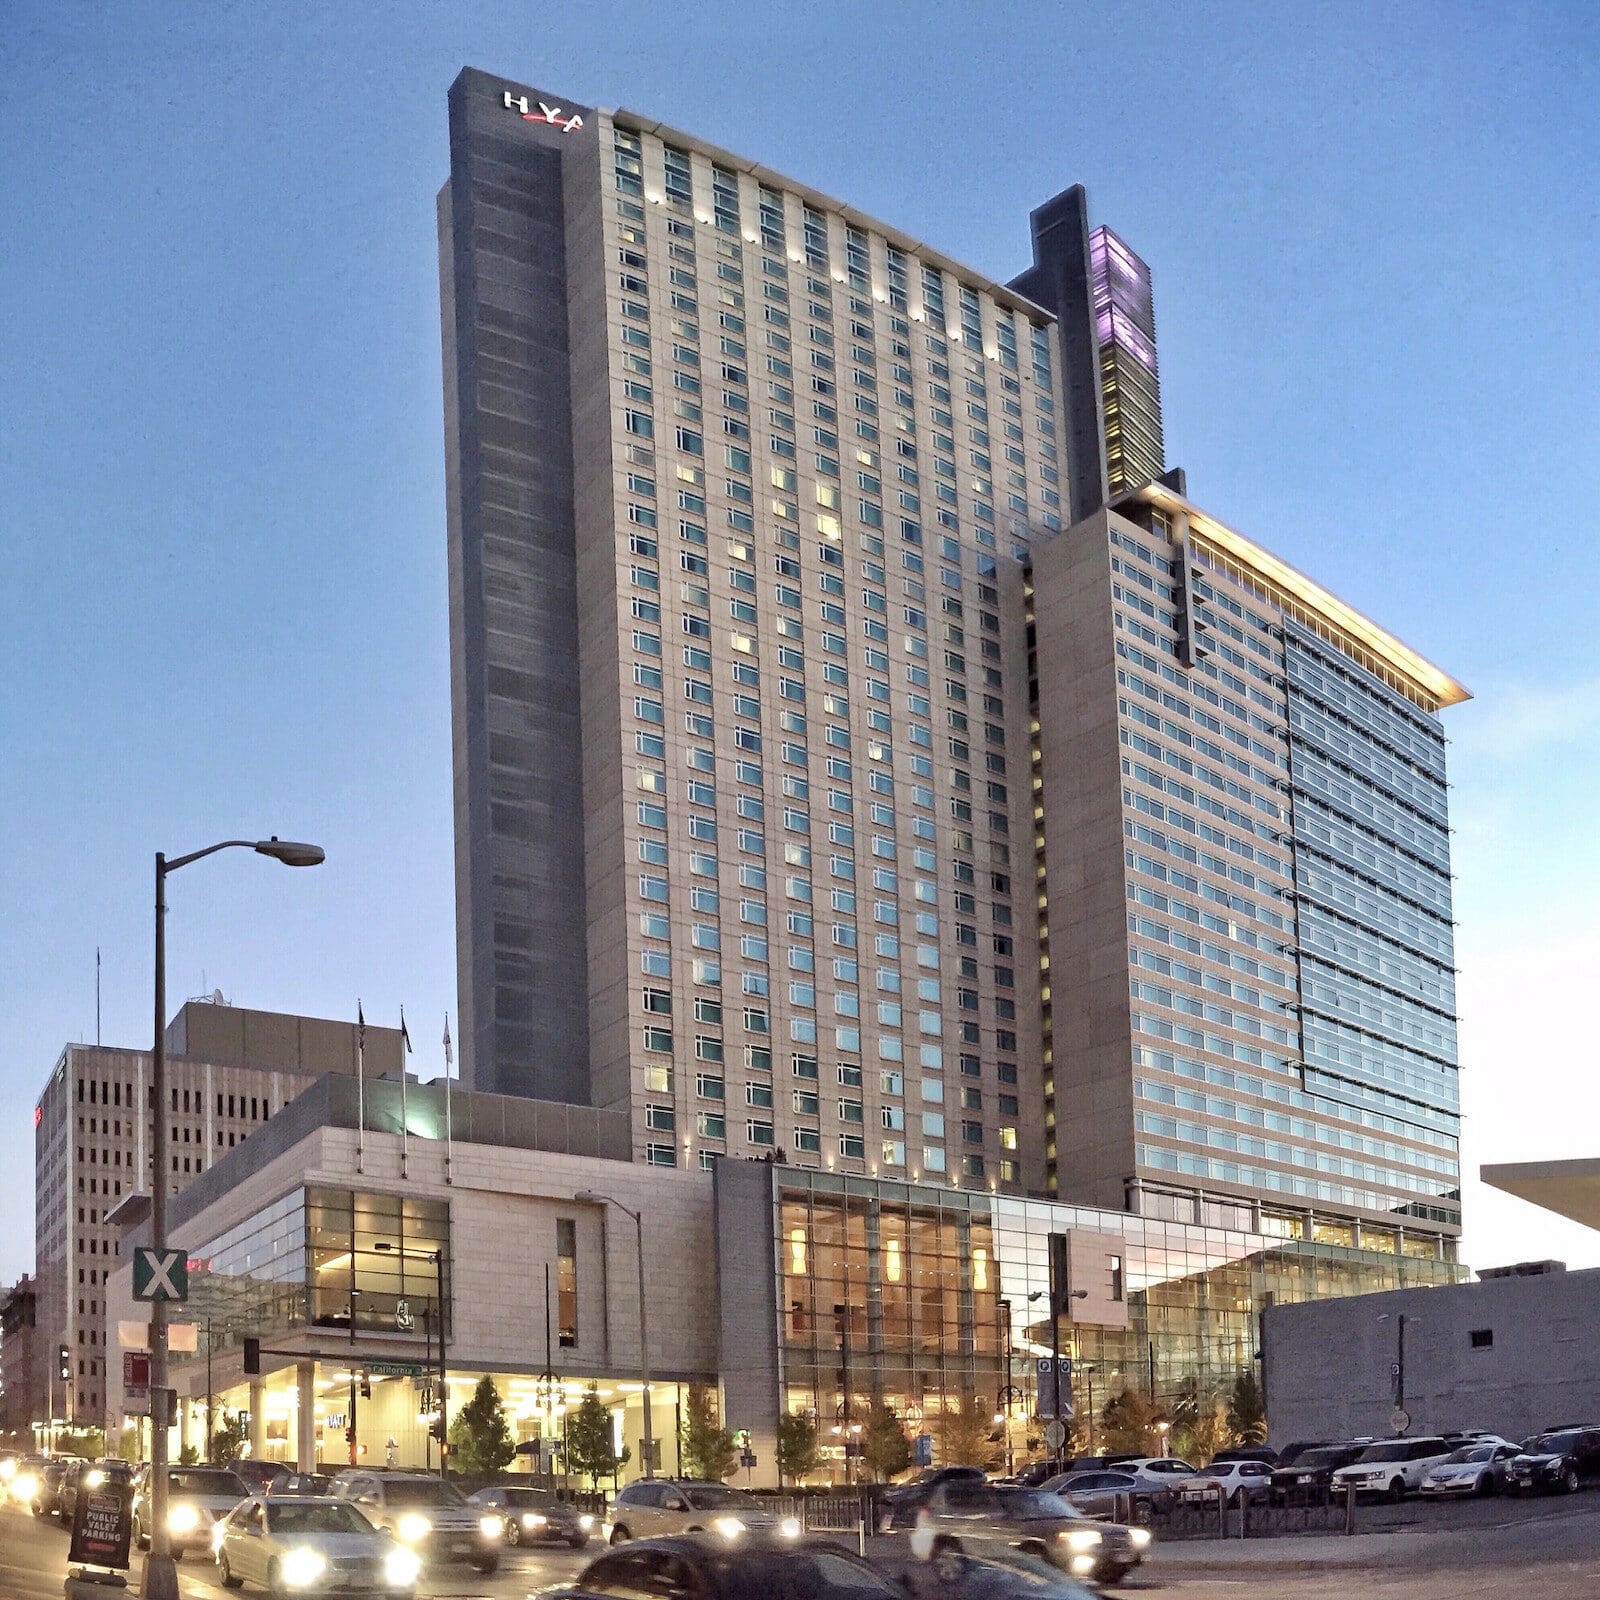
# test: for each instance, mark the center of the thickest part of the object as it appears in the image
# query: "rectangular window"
(567, 1280)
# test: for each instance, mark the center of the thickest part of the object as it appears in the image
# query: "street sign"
(136, 1381)
(922, 1450)
(1055, 1435)
(1399, 1419)
(393, 1369)
(747, 1458)
(160, 1275)
(1045, 1386)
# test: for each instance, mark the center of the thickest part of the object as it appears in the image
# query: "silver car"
(652, 1506)
(427, 1515)
(535, 1516)
(301, 1544)
(197, 1499)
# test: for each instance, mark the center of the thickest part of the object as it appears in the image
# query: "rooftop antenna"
(97, 997)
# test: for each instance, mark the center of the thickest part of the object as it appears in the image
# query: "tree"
(797, 1446)
(228, 1438)
(1247, 1408)
(1199, 1421)
(591, 1444)
(962, 1435)
(885, 1450)
(708, 1448)
(1125, 1424)
(90, 1443)
(480, 1436)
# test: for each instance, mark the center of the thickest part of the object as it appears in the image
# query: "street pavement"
(33, 1565)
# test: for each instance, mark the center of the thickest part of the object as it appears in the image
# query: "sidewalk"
(1308, 1552)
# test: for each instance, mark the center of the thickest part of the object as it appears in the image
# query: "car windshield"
(317, 1516)
(1030, 1503)
(713, 1497)
(530, 1499)
(421, 1492)
(819, 1574)
(1329, 1456)
(1472, 1452)
(1388, 1450)
(1549, 1444)
(186, 1480)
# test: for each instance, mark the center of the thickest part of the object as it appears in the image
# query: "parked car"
(1159, 1472)
(86, 1475)
(1392, 1467)
(1310, 1474)
(758, 1568)
(1241, 1481)
(1472, 1469)
(1028, 1519)
(535, 1516)
(317, 1544)
(425, 1514)
(1564, 1459)
(197, 1499)
(1108, 1492)
(1246, 1452)
(650, 1507)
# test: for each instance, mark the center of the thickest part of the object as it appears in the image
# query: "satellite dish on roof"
(217, 998)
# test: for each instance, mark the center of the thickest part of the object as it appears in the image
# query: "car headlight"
(789, 1528)
(586, 1522)
(400, 1568)
(94, 1479)
(1082, 1566)
(24, 1486)
(492, 1526)
(8, 1470)
(183, 1519)
(1139, 1538)
(302, 1567)
(532, 1519)
(728, 1527)
(413, 1527)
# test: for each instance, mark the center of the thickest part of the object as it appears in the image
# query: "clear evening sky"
(1374, 236)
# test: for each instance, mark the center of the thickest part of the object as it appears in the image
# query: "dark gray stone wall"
(747, 1298)
(517, 732)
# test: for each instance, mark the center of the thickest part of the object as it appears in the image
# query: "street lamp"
(160, 1571)
(1400, 1366)
(590, 1197)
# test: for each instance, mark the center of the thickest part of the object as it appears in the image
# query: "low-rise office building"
(344, 1250)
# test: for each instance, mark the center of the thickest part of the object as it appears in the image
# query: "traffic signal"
(366, 1384)
(64, 1364)
(252, 1358)
(436, 1428)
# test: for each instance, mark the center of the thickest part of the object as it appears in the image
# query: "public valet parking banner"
(102, 1520)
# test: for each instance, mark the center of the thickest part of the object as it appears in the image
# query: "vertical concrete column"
(183, 1428)
(258, 1418)
(305, 1444)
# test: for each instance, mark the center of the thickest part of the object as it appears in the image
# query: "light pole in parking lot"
(589, 1196)
(160, 1571)
(1400, 1322)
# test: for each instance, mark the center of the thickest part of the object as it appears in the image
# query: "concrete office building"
(229, 1068)
(21, 1355)
(797, 1290)
(740, 486)
(938, 798)
(1244, 870)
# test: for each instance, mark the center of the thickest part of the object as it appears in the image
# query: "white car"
(312, 1545)
(1477, 1468)
(1159, 1472)
(1240, 1480)
(197, 1499)
(1392, 1467)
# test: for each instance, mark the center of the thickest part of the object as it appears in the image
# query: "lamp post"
(589, 1196)
(1008, 1391)
(1400, 1322)
(160, 1571)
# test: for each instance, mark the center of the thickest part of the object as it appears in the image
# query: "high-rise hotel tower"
(822, 617)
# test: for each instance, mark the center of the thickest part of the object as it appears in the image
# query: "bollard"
(1222, 1512)
(861, 1537)
(1349, 1508)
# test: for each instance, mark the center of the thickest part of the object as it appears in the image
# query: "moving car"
(1032, 1520)
(47, 1485)
(1473, 1469)
(295, 1543)
(1562, 1459)
(197, 1498)
(653, 1506)
(1310, 1474)
(1240, 1481)
(535, 1516)
(85, 1475)
(982, 1569)
(1392, 1467)
(425, 1514)
(257, 1475)
(709, 1568)
(319, 1484)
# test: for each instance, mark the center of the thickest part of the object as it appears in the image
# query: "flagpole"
(361, 1086)
(405, 1050)
(449, 1130)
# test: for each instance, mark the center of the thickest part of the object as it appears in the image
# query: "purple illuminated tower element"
(1130, 382)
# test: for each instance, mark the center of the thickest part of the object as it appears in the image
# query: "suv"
(1563, 1459)
(1392, 1467)
(1308, 1475)
(426, 1514)
(650, 1506)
